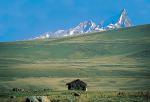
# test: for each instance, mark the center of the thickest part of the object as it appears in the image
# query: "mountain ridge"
(120, 21)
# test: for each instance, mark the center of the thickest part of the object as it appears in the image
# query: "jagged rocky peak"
(124, 20)
(119, 21)
(86, 26)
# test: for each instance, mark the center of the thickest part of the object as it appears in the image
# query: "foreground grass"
(92, 96)
(100, 84)
(117, 60)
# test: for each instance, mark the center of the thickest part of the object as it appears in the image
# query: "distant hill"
(107, 56)
(124, 41)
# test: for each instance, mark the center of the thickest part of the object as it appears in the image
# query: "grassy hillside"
(96, 96)
(112, 60)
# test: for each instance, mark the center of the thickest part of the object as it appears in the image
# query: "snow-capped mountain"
(84, 27)
(119, 21)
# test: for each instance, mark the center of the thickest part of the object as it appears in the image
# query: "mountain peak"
(90, 21)
(124, 10)
(85, 26)
(124, 20)
(119, 21)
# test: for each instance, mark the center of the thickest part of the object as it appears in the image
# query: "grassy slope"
(113, 60)
(67, 96)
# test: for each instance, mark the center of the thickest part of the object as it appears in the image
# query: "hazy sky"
(23, 19)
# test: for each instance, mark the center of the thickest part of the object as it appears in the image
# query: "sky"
(24, 19)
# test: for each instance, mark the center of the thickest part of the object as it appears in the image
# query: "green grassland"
(95, 96)
(116, 60)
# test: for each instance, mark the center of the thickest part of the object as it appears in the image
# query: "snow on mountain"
(84, 27)
(119, 21)
(43, 36)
